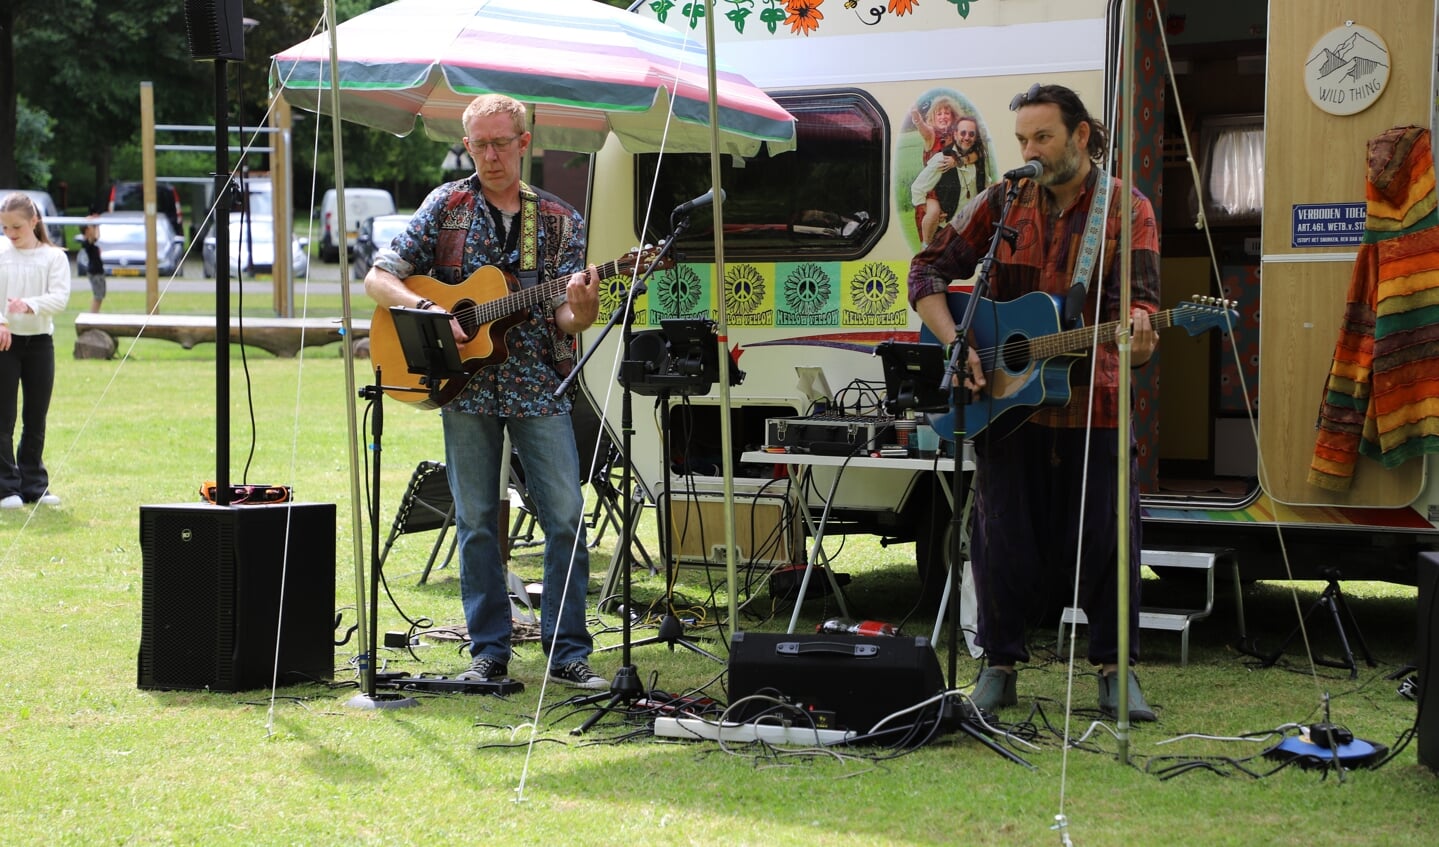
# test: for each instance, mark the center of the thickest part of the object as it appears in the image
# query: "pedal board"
(448, 685)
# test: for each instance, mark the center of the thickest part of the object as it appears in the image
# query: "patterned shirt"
(524, 383)
(1046, 248)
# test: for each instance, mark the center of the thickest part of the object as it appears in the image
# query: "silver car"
(375, 234)
(252, 248)
(122, 245)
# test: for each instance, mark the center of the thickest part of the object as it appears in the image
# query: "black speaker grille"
(188, 599)
(236, 597)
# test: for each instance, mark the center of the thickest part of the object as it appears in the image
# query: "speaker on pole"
(216, 29)
(235, 596)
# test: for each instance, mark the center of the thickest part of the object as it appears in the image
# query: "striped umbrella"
(588, 69)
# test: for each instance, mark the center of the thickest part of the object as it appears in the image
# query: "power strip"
(747, 733)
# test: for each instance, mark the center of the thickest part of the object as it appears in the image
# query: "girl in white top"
(35, 286)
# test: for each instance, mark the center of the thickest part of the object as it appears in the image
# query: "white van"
(360, 203)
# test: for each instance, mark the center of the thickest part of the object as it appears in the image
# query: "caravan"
(1251, 141)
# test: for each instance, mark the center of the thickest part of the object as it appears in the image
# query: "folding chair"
(427, 505)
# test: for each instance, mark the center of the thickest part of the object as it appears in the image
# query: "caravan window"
(1233, 156)
(823, 200)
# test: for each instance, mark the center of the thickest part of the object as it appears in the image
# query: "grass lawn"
(91, 759)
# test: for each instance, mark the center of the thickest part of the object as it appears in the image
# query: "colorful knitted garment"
(1381, 398)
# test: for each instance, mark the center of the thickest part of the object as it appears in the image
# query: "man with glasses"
(950, 178)
(493, 219)
(1046, 492)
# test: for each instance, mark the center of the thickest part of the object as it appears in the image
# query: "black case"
(861, 679)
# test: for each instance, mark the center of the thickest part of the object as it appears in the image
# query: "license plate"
(127, 272)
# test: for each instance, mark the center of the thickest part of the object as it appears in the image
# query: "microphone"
(705, 199)
(1031, 169)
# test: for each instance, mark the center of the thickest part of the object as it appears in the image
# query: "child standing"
(90, 243)
(35, 284)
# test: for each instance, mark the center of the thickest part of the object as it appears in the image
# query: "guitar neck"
(1072, 340)
(535, 295)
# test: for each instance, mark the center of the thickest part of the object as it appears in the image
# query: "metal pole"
(357, 519)
(722, 331)
(1126, 240)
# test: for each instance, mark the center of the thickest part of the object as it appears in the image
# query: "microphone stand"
(429, 350)
(625, 687)
(956, 371)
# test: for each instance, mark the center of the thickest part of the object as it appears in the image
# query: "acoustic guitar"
(487, 305)
(1026, 358)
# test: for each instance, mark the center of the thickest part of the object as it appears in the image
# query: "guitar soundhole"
(465, 312)
(1015, 354)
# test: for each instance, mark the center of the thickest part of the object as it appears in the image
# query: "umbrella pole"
(722, 330)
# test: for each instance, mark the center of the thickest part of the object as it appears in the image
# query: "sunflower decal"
(744, 289)
(613, 290)
(679, 292)
(807, 289)
(874, 289)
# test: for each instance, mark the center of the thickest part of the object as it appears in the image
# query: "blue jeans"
(28, 369)
(552, 475)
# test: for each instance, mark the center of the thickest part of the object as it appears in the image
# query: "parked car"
(252, 248)
(122, 245)
(46, 204)
(130, 197)
(374, 234)
(360, 203)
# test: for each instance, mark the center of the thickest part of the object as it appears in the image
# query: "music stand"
(912, 375)
(682, 358)
(428, 344)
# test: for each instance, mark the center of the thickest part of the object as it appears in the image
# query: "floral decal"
(804, 15)
(801, 16)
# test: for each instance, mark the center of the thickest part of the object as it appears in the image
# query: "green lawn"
(92, 759)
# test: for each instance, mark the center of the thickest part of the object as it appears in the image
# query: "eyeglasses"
(967, 133)
(499, 145)
(1024, 98)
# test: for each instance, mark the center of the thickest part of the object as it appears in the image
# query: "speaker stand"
(1332, 598)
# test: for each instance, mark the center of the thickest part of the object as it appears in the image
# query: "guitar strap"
(1089, 248)
(529, 237)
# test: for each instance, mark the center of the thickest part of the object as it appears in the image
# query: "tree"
(33, 131)
(81, 63)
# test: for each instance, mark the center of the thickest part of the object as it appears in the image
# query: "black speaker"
(860, 679)
(216, 29)
(229, 590)
(1428, 720)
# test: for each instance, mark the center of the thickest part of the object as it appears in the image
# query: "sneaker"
(995, 689)
(48, 499)
(485, 669)
(578, 674)
(12, 502)
(1109, 698)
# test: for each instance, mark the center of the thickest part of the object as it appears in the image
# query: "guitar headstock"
(644, 259)
(1202, 313)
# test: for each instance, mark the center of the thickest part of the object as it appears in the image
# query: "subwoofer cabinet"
(235, 596)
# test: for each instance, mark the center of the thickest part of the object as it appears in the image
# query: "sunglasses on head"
(1024, 97)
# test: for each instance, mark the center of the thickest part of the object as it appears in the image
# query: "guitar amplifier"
(861, 679)
(830, 434)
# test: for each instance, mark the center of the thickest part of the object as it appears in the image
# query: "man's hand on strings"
(582, 297)
(1143, 337)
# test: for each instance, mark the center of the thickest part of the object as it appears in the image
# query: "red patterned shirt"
(1046, 247)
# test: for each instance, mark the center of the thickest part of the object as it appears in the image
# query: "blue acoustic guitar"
(1026, 357)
